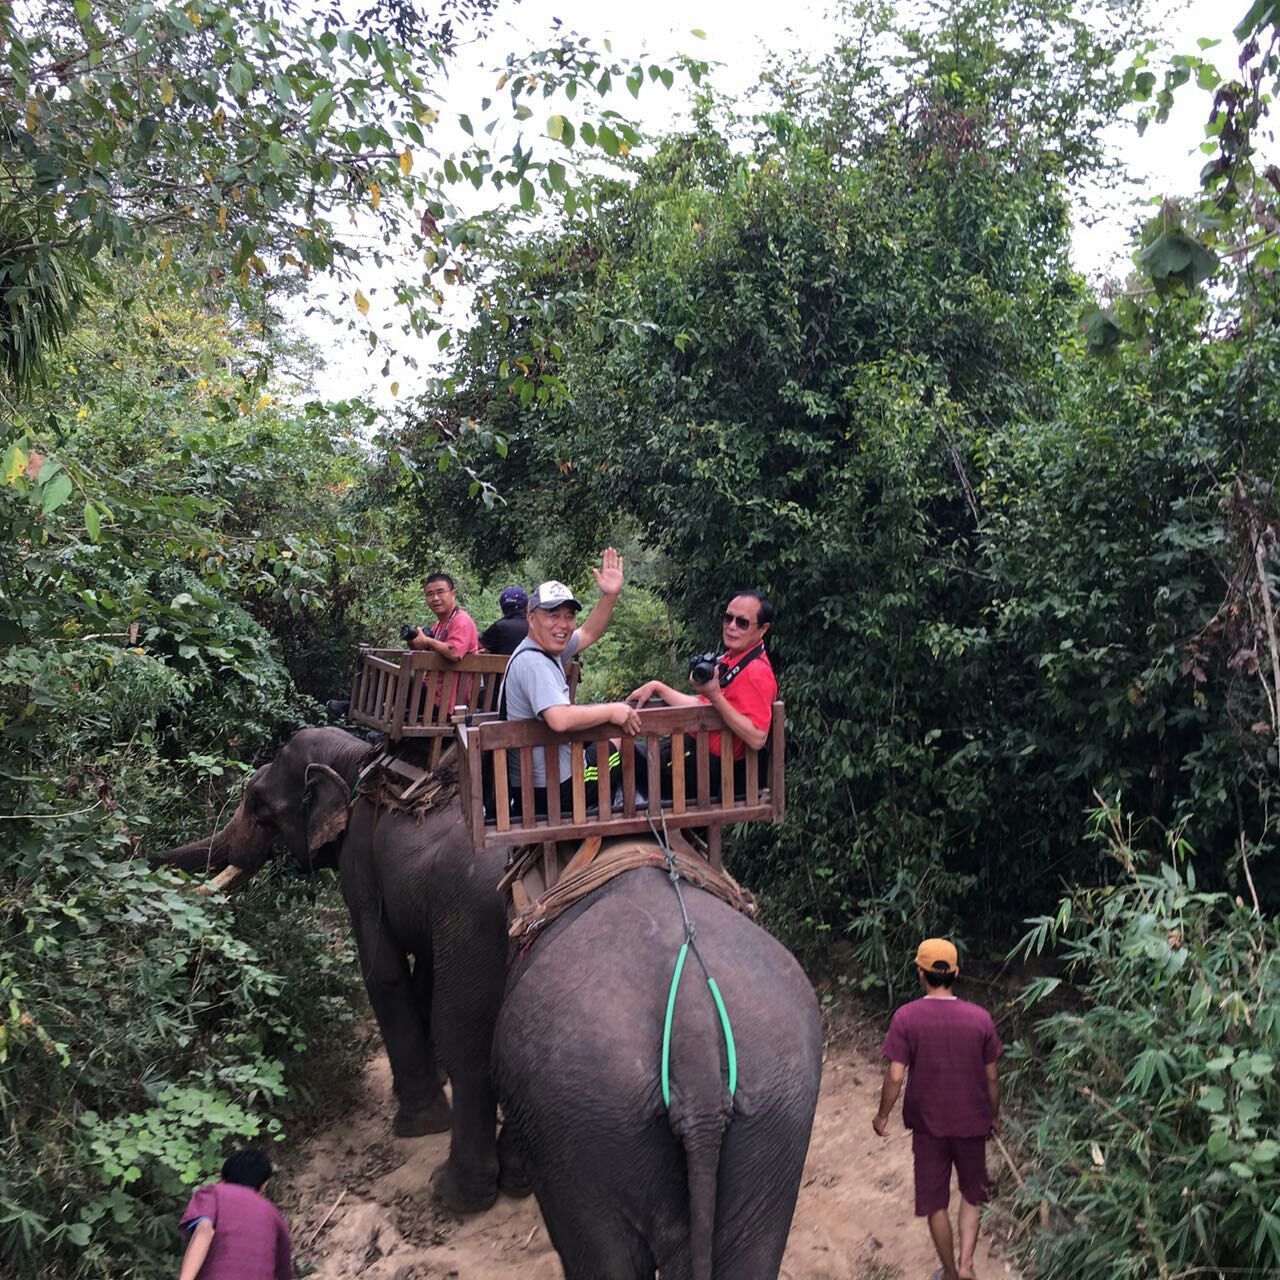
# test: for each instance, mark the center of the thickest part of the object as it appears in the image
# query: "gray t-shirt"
(536, 680)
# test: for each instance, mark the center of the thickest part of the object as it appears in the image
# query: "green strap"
(731, 1051)
(666, 1030)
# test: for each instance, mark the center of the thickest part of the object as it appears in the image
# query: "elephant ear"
(328, 807)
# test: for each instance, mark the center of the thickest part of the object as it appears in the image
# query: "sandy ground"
(359, 1205)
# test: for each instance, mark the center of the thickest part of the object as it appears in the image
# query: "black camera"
(407, 632)
(703, 668)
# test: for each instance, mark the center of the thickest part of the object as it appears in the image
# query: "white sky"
(738, 34)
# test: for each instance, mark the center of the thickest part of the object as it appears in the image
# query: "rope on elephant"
(380, 783)
(616, 857)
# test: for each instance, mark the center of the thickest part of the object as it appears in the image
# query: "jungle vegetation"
(1020, 531)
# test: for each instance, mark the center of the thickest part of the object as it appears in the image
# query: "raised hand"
(609, 575)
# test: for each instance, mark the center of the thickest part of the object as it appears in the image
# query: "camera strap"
(733, 672)
(502, 698)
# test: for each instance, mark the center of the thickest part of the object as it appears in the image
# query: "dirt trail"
(359, 1206)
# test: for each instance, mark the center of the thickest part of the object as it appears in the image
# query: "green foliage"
(1152, 1099)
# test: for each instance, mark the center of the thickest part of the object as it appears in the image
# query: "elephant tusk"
(224, 881)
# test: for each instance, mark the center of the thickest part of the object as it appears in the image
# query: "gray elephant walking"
(429, 928)
(706, 1189)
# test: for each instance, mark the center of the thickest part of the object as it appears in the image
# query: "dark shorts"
(934, 1158)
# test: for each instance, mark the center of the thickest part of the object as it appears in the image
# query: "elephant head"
(299, 801)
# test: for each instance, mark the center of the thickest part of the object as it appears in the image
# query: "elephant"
(430, 930)
(706, 1189)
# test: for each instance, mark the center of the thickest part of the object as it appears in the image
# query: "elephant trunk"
(235, 852)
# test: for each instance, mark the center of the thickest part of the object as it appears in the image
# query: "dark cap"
(513, 600)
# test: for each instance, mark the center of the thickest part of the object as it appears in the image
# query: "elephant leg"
(595, 1244)
(423, 977)
(513, 1168)
(468, 1180)
(423, 1108)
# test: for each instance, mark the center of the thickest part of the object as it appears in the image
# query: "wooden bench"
(704, 791)
(388, 693)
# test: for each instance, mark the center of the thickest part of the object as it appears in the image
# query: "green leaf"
(56, 492)
(92, 521)
(526, 194)
(555, 128)
(1175, 259)
(321, 109)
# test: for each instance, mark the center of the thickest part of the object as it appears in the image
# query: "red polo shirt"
(458, 631)
(753, 692)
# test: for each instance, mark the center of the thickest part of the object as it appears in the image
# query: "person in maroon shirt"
(948, 1049)
(234, 1232)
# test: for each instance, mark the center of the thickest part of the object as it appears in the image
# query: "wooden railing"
(696, 789)
(413, 693)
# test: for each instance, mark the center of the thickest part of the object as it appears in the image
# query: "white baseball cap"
(551, 595)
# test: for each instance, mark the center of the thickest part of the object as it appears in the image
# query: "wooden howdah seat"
(698, 793)
(414, 693)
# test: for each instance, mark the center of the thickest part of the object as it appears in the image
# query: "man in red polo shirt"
(744, 688)
(453, 637)
(948, 1049)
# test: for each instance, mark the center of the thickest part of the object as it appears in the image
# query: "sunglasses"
(736, 619)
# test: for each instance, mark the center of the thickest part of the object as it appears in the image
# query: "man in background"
(948, 1049)
(453, 636)
(504, 635)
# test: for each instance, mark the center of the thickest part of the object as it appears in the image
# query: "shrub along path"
(854, 1219)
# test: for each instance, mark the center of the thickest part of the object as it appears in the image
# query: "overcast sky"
(738, 35)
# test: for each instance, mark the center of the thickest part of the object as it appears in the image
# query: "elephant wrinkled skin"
(706, 1191)
(429, 928)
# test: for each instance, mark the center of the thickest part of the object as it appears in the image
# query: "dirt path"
(359, 1206)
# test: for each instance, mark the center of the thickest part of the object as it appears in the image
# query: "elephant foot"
(513, 1170)
(435, 1117)
(458, 1193)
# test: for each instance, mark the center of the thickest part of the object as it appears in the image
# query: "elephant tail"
(702, 1156)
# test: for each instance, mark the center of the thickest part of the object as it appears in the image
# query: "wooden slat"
(578, 766)
(677, 773)
(528, 814)
(501, 791)
(587, 850)
(604, 792)
(777, 754)
(550, 863)
(703, 766)
(552, 756)
(620, 826)
(655, 776)
(753, 777)
(726, 769)
(713, 847)
(520, 898)
(628, 748)
(473, 769)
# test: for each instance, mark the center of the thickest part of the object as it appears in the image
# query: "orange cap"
(937, 955)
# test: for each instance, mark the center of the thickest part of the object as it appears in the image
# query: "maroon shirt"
(946, 1046)
(250, 1239)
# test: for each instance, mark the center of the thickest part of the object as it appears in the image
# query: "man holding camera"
(739, 683)
(453, 635)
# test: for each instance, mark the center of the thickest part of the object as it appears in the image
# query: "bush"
(1154, 1105)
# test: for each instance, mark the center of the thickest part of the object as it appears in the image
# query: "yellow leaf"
(624, 149)
(222, 217)
(362, 303)
(375, 194)
(502, 79)
(263, 401)
(33, 112)
(427, 116)
(17, 465)
(406, 161)
(244, 274)
(82, 413)
(166, 91)
(395, 388)
(196, 20)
